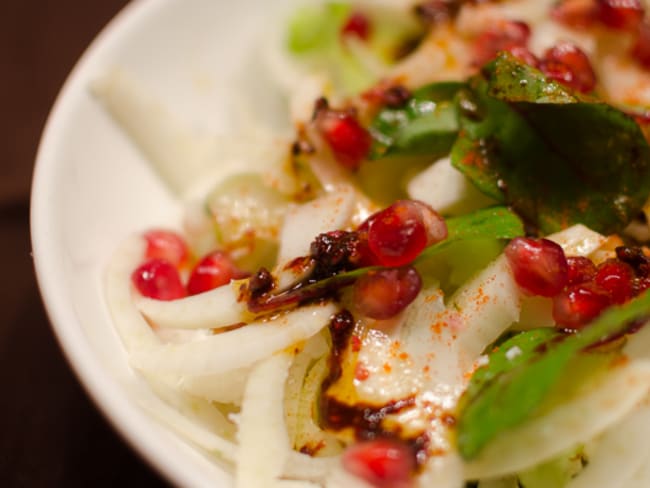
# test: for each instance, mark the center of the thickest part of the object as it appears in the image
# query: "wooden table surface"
(51, 435)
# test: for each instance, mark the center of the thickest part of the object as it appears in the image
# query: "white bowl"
(92, 188)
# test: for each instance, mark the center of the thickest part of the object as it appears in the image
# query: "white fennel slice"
(444, 471)
(303, 223)
(223, 387)
(619, 453)
(485, 308)
(212, 309)
(237, 348)
(305, 467)
(446, 189)
(642, 475)
(261, 425)
(577, 421)
(132, 328)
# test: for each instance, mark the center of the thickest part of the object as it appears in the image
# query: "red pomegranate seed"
(399, 233)
(566, 63)
(539, 265)
(504, 36)
(384, 293)
(578, 304)
(615, 277)
(214, 270)
(523, 54)
(641, 47)
(167, 245)
(357, 25)
(623, 15)
(158, 279)
(581, 270)
(382, 463)
(348, 140)
(575, 13)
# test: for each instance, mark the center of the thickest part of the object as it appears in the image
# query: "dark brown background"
(51, 435)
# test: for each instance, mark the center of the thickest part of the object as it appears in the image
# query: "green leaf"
(556, 157)
(508, 396)
(487, 223)
(427, 125)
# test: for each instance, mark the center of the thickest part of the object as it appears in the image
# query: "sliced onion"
(235, 349)
(262, 426)
(212, 309)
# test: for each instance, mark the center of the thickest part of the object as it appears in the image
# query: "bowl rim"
(103, 390)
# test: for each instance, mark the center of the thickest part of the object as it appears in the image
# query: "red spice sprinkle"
(361, 373)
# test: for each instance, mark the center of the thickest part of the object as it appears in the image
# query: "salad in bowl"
(429, 270)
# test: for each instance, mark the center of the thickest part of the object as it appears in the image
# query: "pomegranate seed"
(399, 233)
(348, 140)
(578, 304)
(575, 13)
(524, 55)
(167, 245)
(504, 36)
(615, 277)
(158, 279)
(357, 25)
(382, 463)
(641, 47)
(214, 270)
(539, 265)
(621, 14)
(566, 63)
(384, 293)
(581, 270)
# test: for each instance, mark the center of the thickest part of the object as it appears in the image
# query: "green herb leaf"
(508, 396)
(556, 157)
(314, 28)
(427, 125)
(487, 223)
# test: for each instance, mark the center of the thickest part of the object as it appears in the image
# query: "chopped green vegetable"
(555, 157)
(314, 28)
(426, 126)
(514, 394)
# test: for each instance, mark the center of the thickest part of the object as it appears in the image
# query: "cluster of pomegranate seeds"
(382, 294)
(566, 63)
(507, 35)
(382, 463)
(348, 140)
(399, 233)
(166, 255)
(539, 265)
(159, 279)
(214, 270)
(357, 25)
(580, 290)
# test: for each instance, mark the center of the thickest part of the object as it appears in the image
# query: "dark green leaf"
(508, 396)
(427, 125)
(557, 158)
